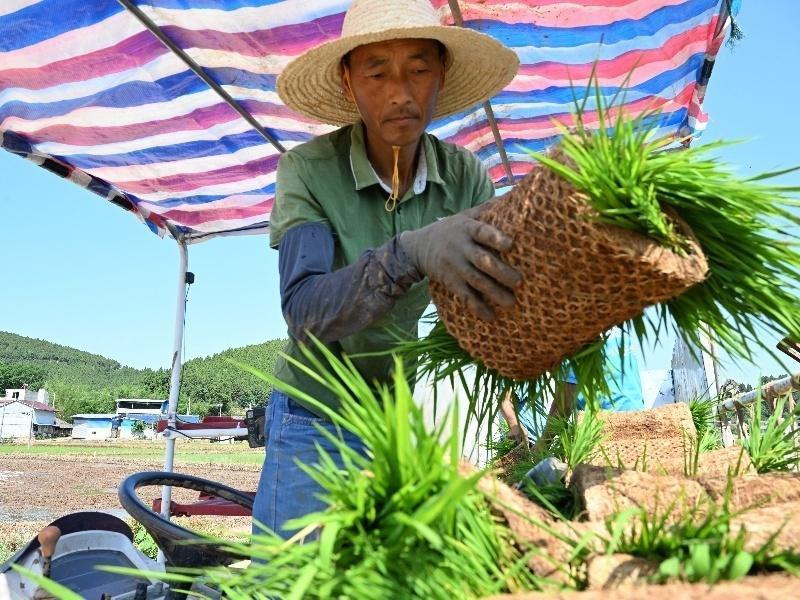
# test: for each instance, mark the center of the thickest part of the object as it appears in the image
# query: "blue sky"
(78, 271)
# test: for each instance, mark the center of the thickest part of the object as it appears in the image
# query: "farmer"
(365, 214)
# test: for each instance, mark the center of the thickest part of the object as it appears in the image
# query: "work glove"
(460, 253)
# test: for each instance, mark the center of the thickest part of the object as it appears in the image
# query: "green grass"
(701, 545)
(705, 423)
(772, 443)
(195, 452)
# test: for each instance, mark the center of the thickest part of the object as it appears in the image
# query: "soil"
(606, 492)
(769, 587)
(36, 489)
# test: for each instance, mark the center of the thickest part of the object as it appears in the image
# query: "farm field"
(53, 478)
(195, 451)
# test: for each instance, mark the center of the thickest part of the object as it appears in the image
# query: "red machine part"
(206, 505)
(221, 423)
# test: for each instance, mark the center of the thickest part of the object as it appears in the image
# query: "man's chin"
(406, 137)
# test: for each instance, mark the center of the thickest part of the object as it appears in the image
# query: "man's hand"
(460, 252)
(518, 434)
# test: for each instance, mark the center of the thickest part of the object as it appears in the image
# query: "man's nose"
(398, 89)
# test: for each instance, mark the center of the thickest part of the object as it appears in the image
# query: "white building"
(25, 413)
(92, 426)
(141, 406)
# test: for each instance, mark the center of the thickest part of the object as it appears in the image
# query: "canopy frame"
(487, 108)
(175, 375)
(153, 28)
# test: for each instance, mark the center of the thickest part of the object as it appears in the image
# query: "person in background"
(625, 394)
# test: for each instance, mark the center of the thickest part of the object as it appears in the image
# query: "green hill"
(80, 381)
(63, 363)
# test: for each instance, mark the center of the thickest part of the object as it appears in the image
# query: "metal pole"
(458, 19)
(175, 380)
(779, 387)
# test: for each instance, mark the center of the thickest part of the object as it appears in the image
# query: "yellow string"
(391, 201)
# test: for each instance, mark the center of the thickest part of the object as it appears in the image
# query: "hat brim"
(479, 68)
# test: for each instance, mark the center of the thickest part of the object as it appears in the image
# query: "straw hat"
(478, 66)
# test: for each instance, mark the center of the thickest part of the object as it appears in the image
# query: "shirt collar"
(364, 174)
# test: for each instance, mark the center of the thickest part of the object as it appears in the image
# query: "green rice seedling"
(437, 357)
(701, 545)
(516, 472)
(694, 447)
(772, 443)
(502, 445)
(401, 521)
(557, 498)
(578, 437)
(711, 439)
(703, 410)
(691, 455)
(746, 227)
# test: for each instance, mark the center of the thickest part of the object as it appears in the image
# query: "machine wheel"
(182, 547)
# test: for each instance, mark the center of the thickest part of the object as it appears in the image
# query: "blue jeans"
(285, 491)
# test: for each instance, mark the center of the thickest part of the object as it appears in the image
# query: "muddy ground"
(34, 490)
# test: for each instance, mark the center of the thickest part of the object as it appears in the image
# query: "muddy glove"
(460, 253)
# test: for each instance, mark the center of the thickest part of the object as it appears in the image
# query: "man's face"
(395, 85)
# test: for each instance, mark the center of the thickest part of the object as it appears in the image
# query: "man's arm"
(459, 251)
(332, 305)
(515, 431)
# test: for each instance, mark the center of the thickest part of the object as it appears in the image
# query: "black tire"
(182, 547)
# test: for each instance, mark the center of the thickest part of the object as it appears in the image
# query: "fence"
(767, 393)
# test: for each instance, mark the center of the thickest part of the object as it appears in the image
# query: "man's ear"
(347, 87)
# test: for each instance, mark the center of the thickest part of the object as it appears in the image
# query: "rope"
(736, 33)
(391, 201)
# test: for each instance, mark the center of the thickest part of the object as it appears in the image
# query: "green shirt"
(330, 180)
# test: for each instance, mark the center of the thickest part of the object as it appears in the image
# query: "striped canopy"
(103, 91)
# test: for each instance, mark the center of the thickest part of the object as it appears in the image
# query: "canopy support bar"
(198, 70)
(175, 377)
(487, 106)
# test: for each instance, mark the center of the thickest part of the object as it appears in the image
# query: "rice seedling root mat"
(754, 490)
(766, 587)
(580, 278)
(604, 492)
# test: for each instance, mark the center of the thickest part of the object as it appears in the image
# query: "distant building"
(25, 413)
(24, 394)
(125, 423)
(92, 427)
(142, 406)
(132, 411)
(128, 428)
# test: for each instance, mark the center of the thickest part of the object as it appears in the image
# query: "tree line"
(80, 382)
